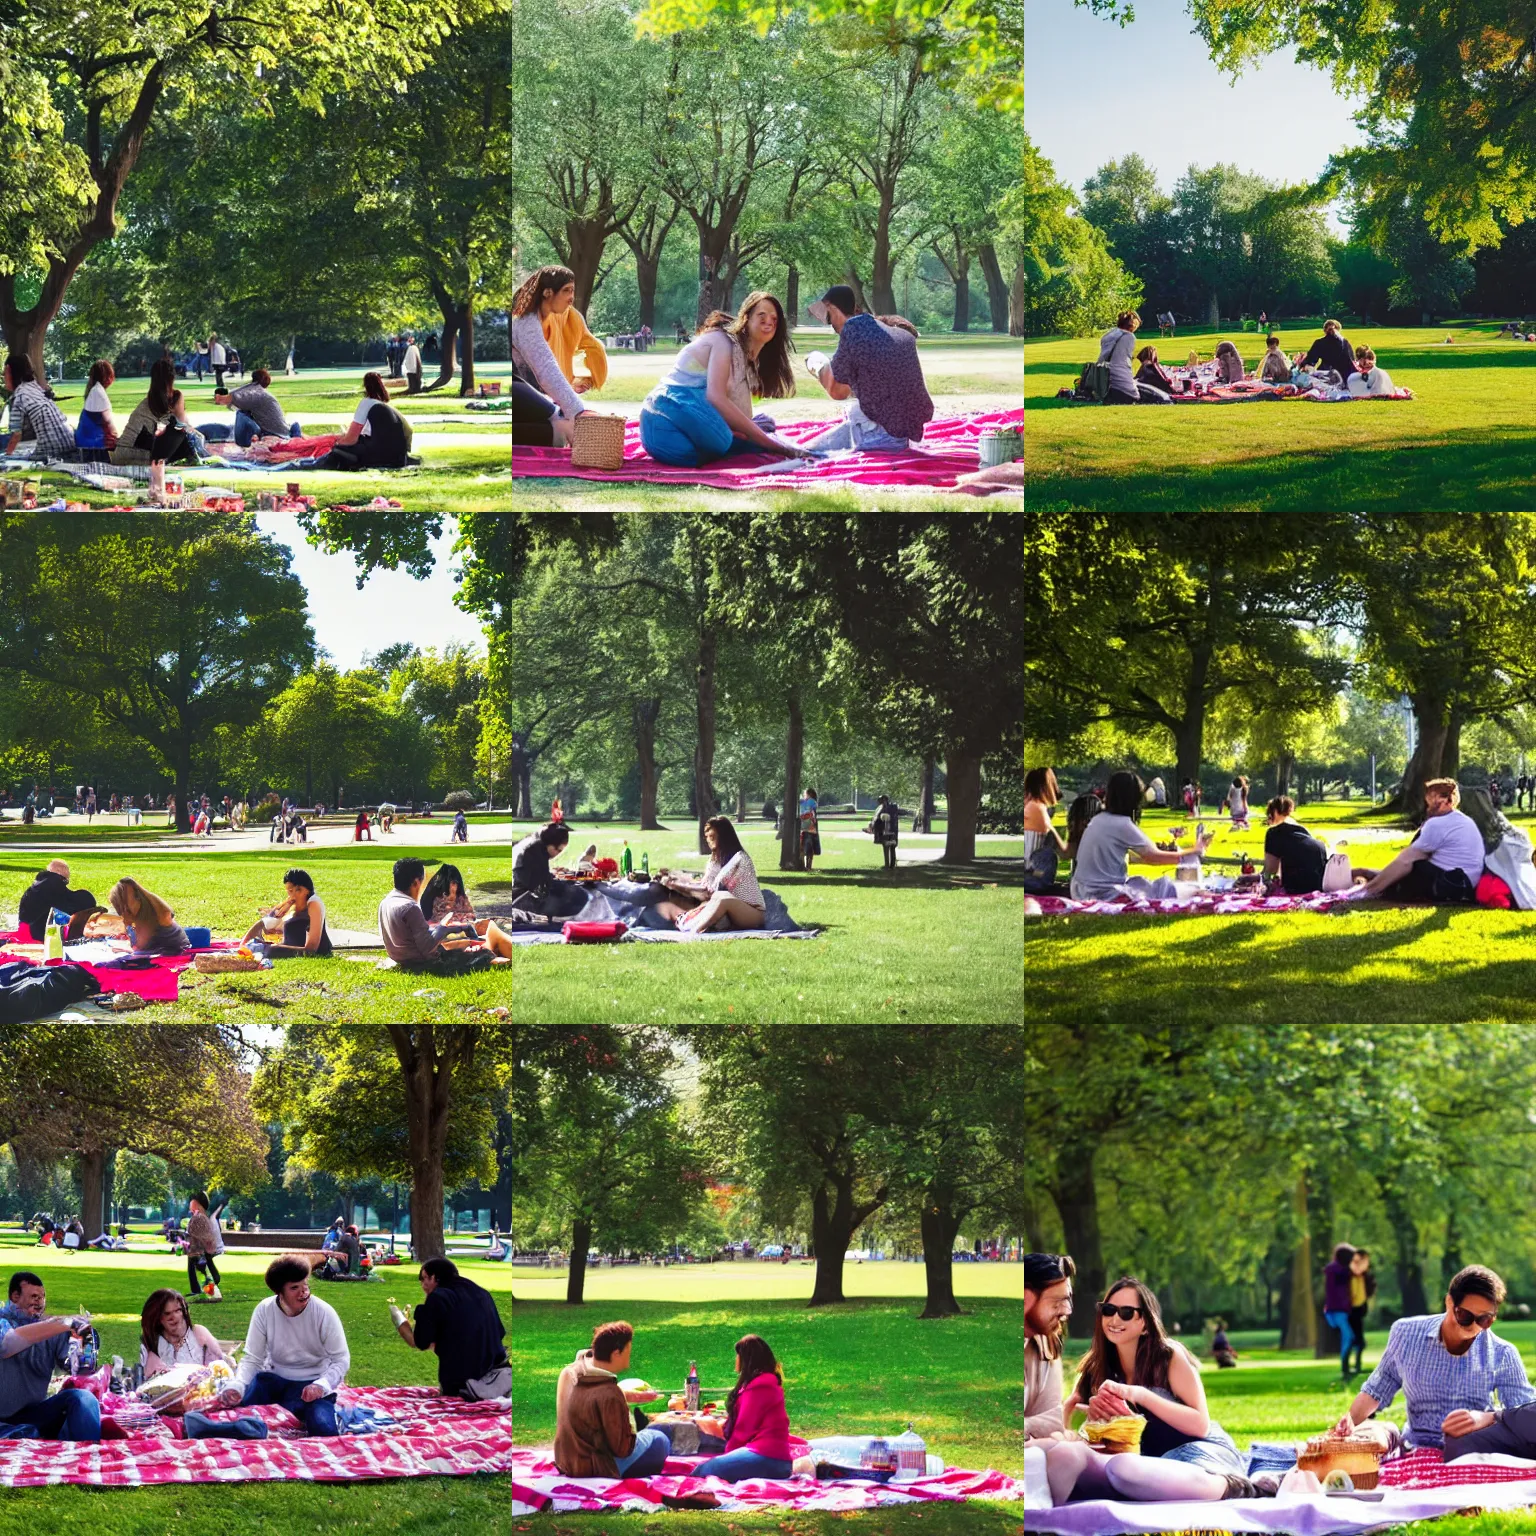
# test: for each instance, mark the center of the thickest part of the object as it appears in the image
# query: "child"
(1151, 371)
(1276, 367)
(1368, 379)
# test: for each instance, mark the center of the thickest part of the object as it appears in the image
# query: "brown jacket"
(593, 1424)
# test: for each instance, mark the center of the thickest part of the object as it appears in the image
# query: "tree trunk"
(834, 1219)
(792, 295)
(925, 797)
(794, 751)
(741, 800)
(93, 1187)
(962, 320)
(1213, 312)
(939, 1225)
(429, 1055)
(1077, 1203)
(1189, 732)
(183, 781)
(1301, 1323)
(1405, 1235)
(1428, 756)
(647, 270)
(1016, 301)
(583, 254)
(962, 772)
(882, 268)
(467, 346)
(997, 286)
(704, 741)
(450, 331)
(645, 713)
(1283, 766)
(576, 1274)
(857, 284)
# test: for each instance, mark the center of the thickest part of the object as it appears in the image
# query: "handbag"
(1337, 875)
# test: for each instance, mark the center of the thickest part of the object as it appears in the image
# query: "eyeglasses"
(1125, 1314)
(1477, 1319)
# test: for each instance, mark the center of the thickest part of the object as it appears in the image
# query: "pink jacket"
(762, 1421)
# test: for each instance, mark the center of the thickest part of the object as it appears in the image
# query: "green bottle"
(627, 860)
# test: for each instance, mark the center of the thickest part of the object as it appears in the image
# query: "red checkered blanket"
(438, 1436)
(538, 1485)
(1424, 1468)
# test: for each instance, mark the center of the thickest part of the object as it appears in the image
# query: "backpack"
(30, 991)
(1094, 382)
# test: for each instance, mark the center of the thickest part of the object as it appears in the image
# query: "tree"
(324, 725)
(166, 627)
(112, 74)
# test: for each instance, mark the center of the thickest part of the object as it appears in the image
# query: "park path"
(254, 839)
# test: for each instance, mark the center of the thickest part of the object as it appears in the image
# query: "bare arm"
(716, 391)
(24, 1337)
(1395, 870)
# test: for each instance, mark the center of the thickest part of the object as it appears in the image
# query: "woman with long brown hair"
(157, 429)
(544, 401)
(1133, 1368)
(168, 1336)
(727, 897)
(96, 428)
(152, 926)
(702, 410)
(756, 1419)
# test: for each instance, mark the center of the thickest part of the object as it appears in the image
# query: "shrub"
(265, 809)
(458, 800)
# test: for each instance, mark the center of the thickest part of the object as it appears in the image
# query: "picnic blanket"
(630, 903)
(432, 1436)
(1257, 389)
(538, 1485)
(155, 983)
(949, 449)
(1202, 904)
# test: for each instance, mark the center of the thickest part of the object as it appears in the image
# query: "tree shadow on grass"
(1008, 874)
(1458, 470)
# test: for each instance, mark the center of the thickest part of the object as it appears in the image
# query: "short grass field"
(1467, 439)
(465, 454)
(976, 372)
(113, 1287)
(928, 943)
(1284, 1395)
(1436, 965)
(867, 1366)
(223, 890)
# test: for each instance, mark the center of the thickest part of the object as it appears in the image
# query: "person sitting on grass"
(1116, 348)
(205, 1241)
(702, 409)
(566, 332)
(535, 888)
(447, 908)
(346, 1257)
(1098, 873)
(157, 430)
(545, 402)
(1448, 1367)
(1444, 861)
(1368, 379)
(333, 1234)
(1133, 1368)
(756, 1420)
(459, 1322)
(408, 937)
(96, 430)
(257, 412)
(1331, 350)
(1229, 365)
(295, 1352)
(727, 897)
(168, 1336)
(1152, 372)
(595, 1431)
(151, 923)
(50, 892)
(377, 437)
(1292, 856)
(299, 918)
(35, 414)
(1276, 367)
(1043, 844)
(32, 1344)
(1047, 1306)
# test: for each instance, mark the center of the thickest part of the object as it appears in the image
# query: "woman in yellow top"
(567, 334)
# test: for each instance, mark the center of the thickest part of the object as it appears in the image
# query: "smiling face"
(711, 837)
(1045, 1311)
(294, 1297)
(1116, 1329)
(31, 1299)
(763, 321)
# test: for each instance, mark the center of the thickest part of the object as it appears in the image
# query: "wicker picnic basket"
(1358, 1455)
(214, 964)
(597, 441)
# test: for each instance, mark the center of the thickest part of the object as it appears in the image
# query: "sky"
(392, 606)
(1095, 91)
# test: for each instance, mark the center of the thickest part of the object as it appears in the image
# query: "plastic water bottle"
(74, 1355)
(692, 1392)
(88, 1351)
(53, 941)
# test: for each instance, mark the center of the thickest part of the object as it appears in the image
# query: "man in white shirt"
(1444, 862)
(411, 367)
(217, 361)
(295, 1352)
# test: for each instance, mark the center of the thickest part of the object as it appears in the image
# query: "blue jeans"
(67, 1415)
(857, 431)
(1340, 1320)
(318, 1417)
(649, 1455)
(679, 426)
(736, 1466)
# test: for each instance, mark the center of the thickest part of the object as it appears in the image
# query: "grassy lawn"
(1436, 965)
(1466, 440)
(1283, 1395)
(927, 943)
(865, 1367)
(465, 454)
(114, 1286)
(223, 890)
(976, 372)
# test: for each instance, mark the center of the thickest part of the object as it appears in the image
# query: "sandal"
(1238, 1487)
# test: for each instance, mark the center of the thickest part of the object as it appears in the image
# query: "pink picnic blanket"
(155, 983)
(437, 1436)
(1205, 904)
(949, 449)
(1424, 1468)
(538, 1485)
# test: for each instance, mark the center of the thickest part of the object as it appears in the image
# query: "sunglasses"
(1125, 1314)
(1474, 1319)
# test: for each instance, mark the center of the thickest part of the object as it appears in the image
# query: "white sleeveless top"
(690, 370)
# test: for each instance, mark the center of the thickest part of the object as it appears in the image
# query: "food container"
(1115, 1435)
(1358, 1455)
(911, 1454)
(1001, 445)
(597, 441)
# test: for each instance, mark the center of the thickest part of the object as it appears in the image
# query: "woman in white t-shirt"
(1113, 835)
(1237, 801)
(1117, 347)
(727, 897)
(168, 1336)
(1368, 379)
(96, 428)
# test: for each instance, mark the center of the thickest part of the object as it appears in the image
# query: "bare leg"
(497, 941)
(711, 915)
(742, 914)
(1153, 1478)
(1074, 1467)
(255, 931)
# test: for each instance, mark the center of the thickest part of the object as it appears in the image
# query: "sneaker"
(1239, 1487)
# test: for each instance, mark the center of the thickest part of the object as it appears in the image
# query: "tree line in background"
(673, 171)
(825, 1129)
(287, 171)
(329, 1117)
(1222, 1163)
(1185, 636)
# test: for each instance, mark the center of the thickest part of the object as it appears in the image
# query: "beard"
(1038, 1325)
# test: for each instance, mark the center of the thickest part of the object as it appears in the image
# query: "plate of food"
(643, 1390)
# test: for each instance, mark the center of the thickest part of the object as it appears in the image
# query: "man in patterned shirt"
(34, 413)
(1448, 1366)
